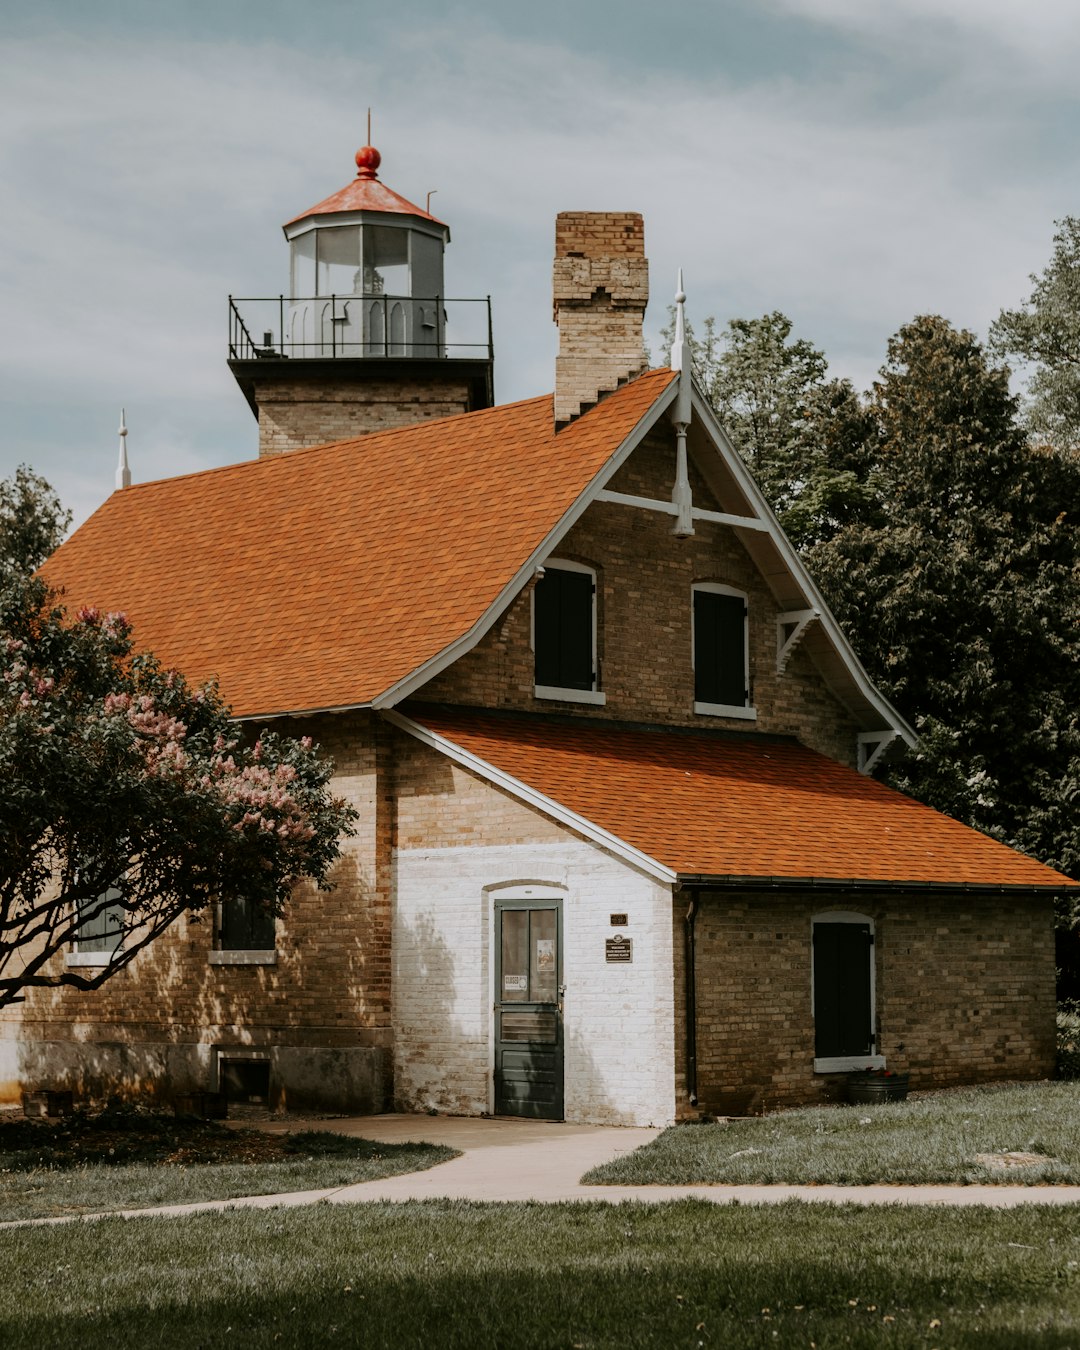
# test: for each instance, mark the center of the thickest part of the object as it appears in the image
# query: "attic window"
(564, 634)
(721, 651)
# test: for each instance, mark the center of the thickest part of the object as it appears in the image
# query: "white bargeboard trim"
(531, 797)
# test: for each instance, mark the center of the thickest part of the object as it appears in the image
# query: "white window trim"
(591, 696)
(746, 710)
(847, 1063)
(748, 714)
(99, 959)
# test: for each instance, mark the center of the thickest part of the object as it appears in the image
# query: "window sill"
(243, 958)
(593, 696)
(726, 710)
(848, 1063)
(89, 958)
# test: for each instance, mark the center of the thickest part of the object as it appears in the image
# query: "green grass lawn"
(135, 1160)
(928, 1139)
(451, 1274)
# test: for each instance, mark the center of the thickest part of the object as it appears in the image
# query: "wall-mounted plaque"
(619, 920)
(619, 949)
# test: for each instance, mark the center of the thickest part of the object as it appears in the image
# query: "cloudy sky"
(850, 162)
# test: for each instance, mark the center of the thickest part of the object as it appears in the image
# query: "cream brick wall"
(965, 993)
(293, 414)
(329, 988)
(600, 288)
(644, 580)
(619, 1019)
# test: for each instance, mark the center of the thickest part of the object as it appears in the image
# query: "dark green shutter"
(720, 649)
(563, 629)
(842, 956)
(246, 927)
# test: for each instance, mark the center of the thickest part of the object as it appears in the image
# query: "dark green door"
(528, 1011)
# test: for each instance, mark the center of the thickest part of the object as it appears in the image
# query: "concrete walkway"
(507, 1160)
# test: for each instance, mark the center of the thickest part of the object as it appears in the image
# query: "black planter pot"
(869, 1089)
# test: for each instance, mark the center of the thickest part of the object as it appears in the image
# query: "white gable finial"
(681, 496)
(123, 473)
(678, 347)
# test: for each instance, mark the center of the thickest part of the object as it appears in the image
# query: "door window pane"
(530, 1025)
(544, 956)
(515, 956)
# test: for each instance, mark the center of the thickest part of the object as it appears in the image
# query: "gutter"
(703, 881)
(691, 1000)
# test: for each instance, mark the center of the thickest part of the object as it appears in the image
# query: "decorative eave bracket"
(681, 495)
(872, 745)
(791, 628)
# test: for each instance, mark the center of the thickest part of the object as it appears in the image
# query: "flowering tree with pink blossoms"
(128, 797)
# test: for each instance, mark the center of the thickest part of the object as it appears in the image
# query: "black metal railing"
(358, 326)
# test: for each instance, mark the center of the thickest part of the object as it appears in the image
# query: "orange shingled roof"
(708, 805)
(322, 577)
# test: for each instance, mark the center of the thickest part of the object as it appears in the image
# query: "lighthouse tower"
(366, 338)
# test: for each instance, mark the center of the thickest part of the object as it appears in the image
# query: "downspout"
(691, 1000)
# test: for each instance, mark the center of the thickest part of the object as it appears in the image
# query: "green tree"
(32, 523)
(961, 592)
(800, 434)
(761, 383)
(1045, 332)
(127, 798)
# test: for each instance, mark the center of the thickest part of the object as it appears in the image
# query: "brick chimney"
(601, 288)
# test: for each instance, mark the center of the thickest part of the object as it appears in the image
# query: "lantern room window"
(386, 261)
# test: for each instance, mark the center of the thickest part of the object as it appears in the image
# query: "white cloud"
(148, 180)
(1042, 35)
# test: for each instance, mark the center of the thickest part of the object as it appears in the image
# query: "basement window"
(244, 1079)
(246, 934)
(720, 652)
(842, 993)
(564, 634)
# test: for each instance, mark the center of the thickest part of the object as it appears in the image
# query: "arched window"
(843, 992)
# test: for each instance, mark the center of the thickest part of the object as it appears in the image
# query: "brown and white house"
(620, 855)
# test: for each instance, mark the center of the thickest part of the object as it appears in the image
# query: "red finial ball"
(368, 160)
